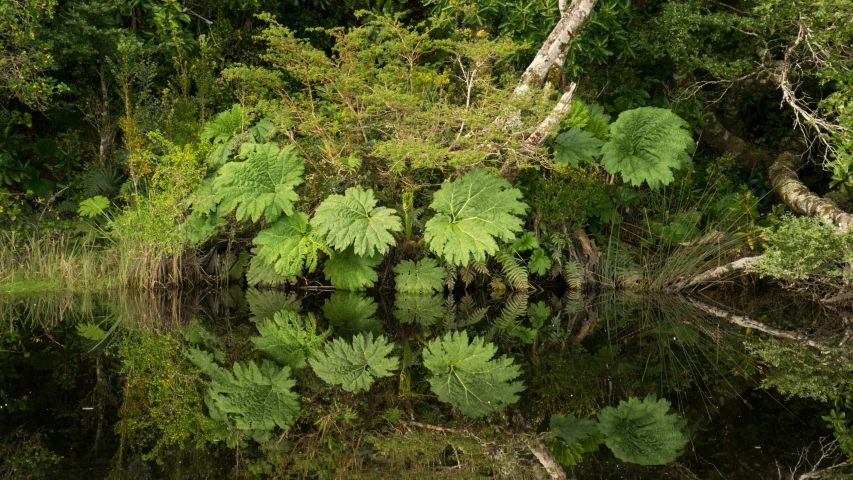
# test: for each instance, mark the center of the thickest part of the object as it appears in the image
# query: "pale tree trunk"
(797, 197)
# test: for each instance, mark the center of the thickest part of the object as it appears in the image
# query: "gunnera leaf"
(224, 126)
(263, 184)
(468, 377)
(646, 144)
(354, 220)
(576, 145)
(566, 454)
(423, 276)
(472, 213)
(290, 246)
(91, 331)
(351, 313)
(349, 271)
(572, 429)
(92, 207)
(266, 303)
(289, 338)
(256, 398)
(643, 432)
(357, 364)
(426, 310)
(260, 273)
(196, 333)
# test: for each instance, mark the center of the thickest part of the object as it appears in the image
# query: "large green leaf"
(256, 398)
(643, 432)
(260, 273)
(290, 246)
(646, 144)
(472, 213)
(289, 338)
(426, 310)
(468, 377)
(348, 271)
(92, 207)
(357, 364)
(354, 220)
(423, 276)
(262, 184)
(351, 313)
(575, 146)
(265, 303)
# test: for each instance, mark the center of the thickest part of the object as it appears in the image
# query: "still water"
(100, 386)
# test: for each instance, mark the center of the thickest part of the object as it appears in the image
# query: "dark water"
(64, 390)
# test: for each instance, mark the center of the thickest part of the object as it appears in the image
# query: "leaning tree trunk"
(797, 197)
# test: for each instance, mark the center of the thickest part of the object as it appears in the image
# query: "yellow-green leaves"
(348, 271)
(261, 185)
(357, 364)
(289, 338)
(468, 377)
(642, 431)
(473, 212)
(423, 276)
(289, 245)
(646, 145)
(353, 219)
(575, 146)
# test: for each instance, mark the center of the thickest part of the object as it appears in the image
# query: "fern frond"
(514, 309)
(573, 275)
(104, 181)
(513, 270)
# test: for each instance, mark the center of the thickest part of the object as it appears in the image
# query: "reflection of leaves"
(566, 454)
(195, 333)
(90, 331)
(348, 271)
(289, 339)
(266, 303)
(643, 432)
(351, 313)
(466, 376)
(260, 273)
(423, 309)
(539, 313)
(423, 276)
(256, 398)
(355, 365)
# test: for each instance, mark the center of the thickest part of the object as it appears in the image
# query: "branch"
(796, 196)
(553, 119)
(540, 451)
(719, 273)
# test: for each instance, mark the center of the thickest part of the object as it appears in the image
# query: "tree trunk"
(799, 198)
(548, 64)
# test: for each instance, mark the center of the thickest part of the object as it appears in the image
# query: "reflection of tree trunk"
(747, 322)
(799, 198)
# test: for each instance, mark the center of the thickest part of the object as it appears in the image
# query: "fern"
(290, 246)
(513, 270)
(646, 145)
(261, 185)
(473, 212)
(643, 432)
(354, 220)
(514, 308)
(357, 364)
(348, 271)
(289, 339)
(104, 181)
(573, 275)
(351, 313)
(463, 314)
(256, 398)
(425, 310)
(423, 276)
(468, 377)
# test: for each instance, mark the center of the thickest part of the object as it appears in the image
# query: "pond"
(107, 386)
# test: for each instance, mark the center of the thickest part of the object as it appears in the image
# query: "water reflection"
(104, 382)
